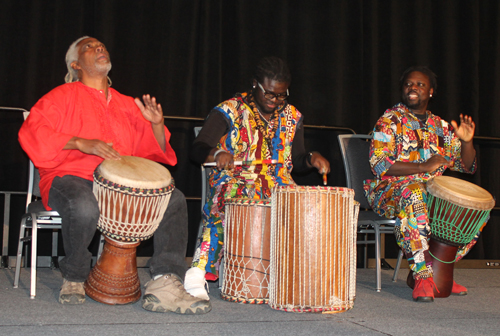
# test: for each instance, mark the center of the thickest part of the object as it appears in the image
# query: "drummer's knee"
(86, 208)
(177, 199)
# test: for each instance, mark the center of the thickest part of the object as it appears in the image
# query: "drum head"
(135, 172)
(459, 192)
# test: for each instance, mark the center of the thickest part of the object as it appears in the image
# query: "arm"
(205, 144)
(409, 168)
(465, 132)
(303, 160)
(153, 113)
(93, 147)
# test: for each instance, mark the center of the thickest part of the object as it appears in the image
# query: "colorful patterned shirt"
(400, 136)
(247, 143)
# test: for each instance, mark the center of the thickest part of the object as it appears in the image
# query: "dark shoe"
(167, 293)
(72, 293)
(458, 289)
(424, 290)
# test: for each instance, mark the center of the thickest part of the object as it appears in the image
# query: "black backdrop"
(346, 57)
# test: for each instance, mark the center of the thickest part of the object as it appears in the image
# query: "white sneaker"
(195, 283)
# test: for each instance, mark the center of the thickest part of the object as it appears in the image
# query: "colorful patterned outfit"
(400, 136)
(248, 138)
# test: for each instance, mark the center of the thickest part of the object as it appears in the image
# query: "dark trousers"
(73, 198)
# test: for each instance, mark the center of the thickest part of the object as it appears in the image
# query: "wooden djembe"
(133, 194)
(458, 210)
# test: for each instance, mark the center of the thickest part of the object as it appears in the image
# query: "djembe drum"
(457, 211)
(247, 234)
(313, 249)
(133, 194)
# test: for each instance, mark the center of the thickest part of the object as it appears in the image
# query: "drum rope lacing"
(313, 249)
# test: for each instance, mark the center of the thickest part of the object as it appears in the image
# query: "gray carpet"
(390, 312)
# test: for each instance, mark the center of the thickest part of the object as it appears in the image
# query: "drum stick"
(246, 163)
(325, 182)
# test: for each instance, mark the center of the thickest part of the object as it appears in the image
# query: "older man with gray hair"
(69, 132)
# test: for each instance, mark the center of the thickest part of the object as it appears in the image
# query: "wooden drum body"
(457, 211)
(133, 194)
(247, 234)
(313, 249)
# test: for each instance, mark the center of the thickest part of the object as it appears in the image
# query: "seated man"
(254, 125)
(411, 145)
(68, 133)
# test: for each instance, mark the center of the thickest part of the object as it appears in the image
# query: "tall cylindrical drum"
(247, 234)
(313, 249)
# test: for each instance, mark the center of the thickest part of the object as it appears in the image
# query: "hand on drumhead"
(465, 131)
(224, 160)
(320, 163)
(97, 147)
(433, 163)
(151, 111)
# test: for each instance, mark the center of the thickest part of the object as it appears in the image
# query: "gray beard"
(98, 69)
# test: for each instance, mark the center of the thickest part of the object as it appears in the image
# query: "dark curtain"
(346, 58)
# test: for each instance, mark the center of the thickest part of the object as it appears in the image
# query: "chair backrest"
(355, 150)
(204, 178)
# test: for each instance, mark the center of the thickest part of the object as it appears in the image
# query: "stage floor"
(390, 312)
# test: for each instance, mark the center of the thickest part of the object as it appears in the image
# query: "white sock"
(195, 283)
(156, 277)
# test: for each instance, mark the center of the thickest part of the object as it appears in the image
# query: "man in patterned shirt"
(411, 145)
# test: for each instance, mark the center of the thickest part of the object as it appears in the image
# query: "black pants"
(73, 198)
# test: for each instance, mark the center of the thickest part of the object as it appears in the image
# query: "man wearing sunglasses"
(264, 132)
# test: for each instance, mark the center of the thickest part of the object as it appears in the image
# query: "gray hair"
(72, 56)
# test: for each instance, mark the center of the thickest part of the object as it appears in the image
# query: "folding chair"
(355, 155)
(35, 218)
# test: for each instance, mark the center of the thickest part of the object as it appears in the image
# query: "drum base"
(243, 300)
(114, 279)
(443, 272)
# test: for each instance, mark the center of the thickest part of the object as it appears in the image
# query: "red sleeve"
(38, 135)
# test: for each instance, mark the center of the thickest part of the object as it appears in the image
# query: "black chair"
(355, 152)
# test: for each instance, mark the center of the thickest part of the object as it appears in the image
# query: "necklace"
(260, 113)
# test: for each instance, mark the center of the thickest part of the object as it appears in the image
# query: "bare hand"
(320, 163)
(151, 111)
(433, 163)
(465, 131)
(97, 147)
(224, 160)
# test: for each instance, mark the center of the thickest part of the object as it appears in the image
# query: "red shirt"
(75, 109)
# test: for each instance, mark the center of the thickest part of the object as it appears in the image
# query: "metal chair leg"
(377, 257)
(20, 245)
(221, 273)
(101, 246)
(34, 241)
(54, 263)
(398, 264)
